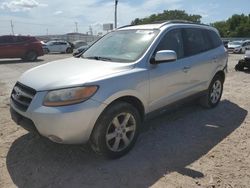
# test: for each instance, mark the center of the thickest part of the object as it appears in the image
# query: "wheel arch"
(221, 73)
(28, 51)
(134, 101)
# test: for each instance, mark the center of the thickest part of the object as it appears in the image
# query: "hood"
(70, 72)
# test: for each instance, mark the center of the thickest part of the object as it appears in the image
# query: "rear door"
(199, 59)
(19, 46)
(53, 47)
(63, 46)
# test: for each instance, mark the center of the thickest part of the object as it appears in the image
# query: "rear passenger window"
(22, 39)
(172, 41)
(195, 41)
(2, 40)
(6, 40)
(214, 37)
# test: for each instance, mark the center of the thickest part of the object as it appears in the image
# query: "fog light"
(54, 138)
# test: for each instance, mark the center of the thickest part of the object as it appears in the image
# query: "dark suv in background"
(26, 47)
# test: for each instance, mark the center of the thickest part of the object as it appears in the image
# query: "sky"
(41, 17)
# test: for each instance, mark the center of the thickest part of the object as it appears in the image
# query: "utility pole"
(116, 3)
(76, 27)
(90, 30)
(12, 27)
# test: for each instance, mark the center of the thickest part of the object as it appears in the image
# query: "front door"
(168, 80)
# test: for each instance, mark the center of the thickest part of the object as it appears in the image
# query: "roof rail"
(163, 23)
(123, 26)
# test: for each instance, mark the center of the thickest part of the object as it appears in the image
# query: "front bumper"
(234, 50)
(24, 122)
(71, 124)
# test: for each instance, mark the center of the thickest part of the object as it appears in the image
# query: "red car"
(25, 47)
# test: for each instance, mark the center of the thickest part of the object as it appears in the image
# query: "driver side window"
(172, 41)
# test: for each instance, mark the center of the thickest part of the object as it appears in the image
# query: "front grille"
(22, 96)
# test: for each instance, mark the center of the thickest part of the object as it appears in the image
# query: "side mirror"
(164, 56)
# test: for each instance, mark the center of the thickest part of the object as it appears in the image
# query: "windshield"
(49, 43)
(236, 43)
(121, 46)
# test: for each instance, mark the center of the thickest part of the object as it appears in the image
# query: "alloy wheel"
(216, 91)
(120, 132)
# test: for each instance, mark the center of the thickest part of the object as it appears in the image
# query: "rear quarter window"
(6, 40)
(215, 38)
(195, 41)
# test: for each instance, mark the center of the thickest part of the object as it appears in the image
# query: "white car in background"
(79, 43)
(238, 46)
(57, 46)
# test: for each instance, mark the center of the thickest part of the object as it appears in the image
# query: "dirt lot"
(188, 147)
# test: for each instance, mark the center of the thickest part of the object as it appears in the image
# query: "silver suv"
(103, 96)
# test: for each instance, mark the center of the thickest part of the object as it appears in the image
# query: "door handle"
(186, 68)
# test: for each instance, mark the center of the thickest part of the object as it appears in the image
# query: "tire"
(112, 138)
(69, 50)
(240, 65)
(31, 56)
(213, 95)
(46, 50)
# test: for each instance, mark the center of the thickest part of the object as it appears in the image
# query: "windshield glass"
(236, 43)
(50, 43)
(121, 46)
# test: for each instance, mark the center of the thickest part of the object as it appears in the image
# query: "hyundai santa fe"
(103, 96)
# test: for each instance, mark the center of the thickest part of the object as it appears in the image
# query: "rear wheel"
(46, 50)
(212, 98)
(69, 50)
(116, 130)
(31, 56)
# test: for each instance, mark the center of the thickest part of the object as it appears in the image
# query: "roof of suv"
(161, 24)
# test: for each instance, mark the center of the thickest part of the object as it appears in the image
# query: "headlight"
(69, 96)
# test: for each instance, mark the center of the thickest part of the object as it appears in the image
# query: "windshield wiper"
(99, 58)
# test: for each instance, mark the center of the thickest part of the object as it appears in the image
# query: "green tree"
(222, 28)
(168, 15)
(235, 26)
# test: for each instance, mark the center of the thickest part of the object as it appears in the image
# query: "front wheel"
(116, 130)
(240, 65)
(46, 50)
(213, 95)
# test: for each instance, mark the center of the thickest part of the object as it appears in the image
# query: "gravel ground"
(186, 147)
